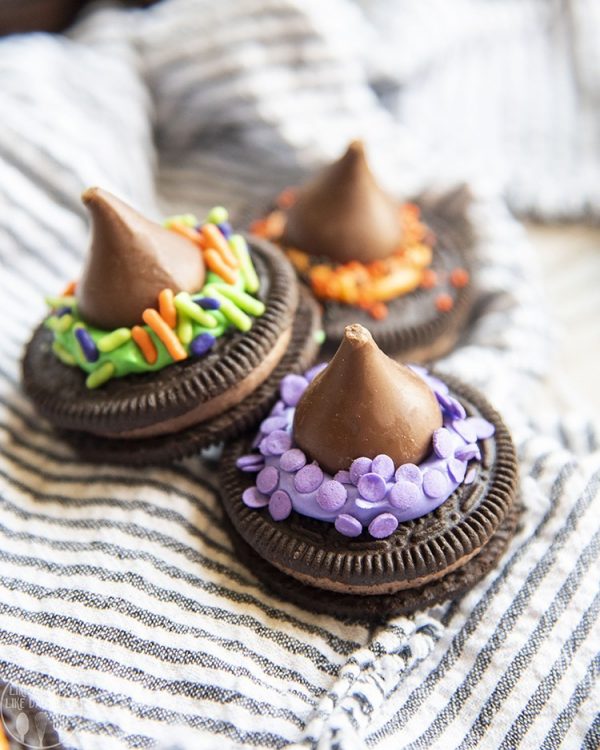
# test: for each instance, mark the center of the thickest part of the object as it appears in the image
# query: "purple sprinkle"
(348, 525)
(372, 487)
(253, 498)
(383, 525)
(471, 474)
(88, 347)
(278, 442)
(343, 477)
(410, 473)
(311, 374)
(253, 468)
(278, 409)
(280, 505)
(309, 478)
(273, 423)
(384, 466)
(467, 452)
(267, 480)
(466, 429)
(331, 495)
(450, 405)
(208, 303)
(435, 483)
(442, 443)
(203, 343)
(483, 428)
(292, 460)
(437, 385)
(292, 387)
(226, 229)
(404, 494)
(456, 469)
(359, 467)
(62, 311)
(250, 463)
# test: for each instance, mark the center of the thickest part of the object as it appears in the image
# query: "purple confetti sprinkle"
(278, 409)
(410, 473)
(280, 505)
(311, 374)
(483, 428)
(226, 229)
(267, 480)
(273, 423)
(308, 479)
(383, 525)
(372, 487)
(203, 343)
(253, 498)
(467, 452)
(88, 347)
(331, 495)
(471, 474)
(442, 443)
(343, 477)
(359, 467)
(437, 385)
(251, 463)
(292, 460)
(435, 483)
(384, 466)
(348, 525)
(278, 442)
(404, 494)
(466, 429)
(208, 303)
(450, 405)
(292, 387)
(456, 469)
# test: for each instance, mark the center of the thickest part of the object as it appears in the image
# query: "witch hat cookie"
(392, 526)
(173, 339)
(399, 268)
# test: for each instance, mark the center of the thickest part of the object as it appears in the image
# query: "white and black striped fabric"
(123, 611)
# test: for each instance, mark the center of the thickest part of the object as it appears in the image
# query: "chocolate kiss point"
(343, 214)
(364, 404)
(130, 261)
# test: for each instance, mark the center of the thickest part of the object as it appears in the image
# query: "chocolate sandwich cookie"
(399, 268)
(170, 340)
(24, 725)
(373, 489)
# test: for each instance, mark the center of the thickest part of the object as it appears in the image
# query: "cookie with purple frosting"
(372, 488)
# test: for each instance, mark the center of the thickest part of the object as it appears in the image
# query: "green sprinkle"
(188, 220)
(55, 302)
(244, 301)
(217, 215)
(114, 340)
(100, 375)
(185, 330)
(240, 249)
(233, 313)
(60, 325)
(319, 336)
(63, 354)
(185, 304)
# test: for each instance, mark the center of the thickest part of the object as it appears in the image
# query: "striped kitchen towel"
(123, 611)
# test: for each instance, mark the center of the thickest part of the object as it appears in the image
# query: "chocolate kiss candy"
(343, 214)
(363, 404)
(130, 261)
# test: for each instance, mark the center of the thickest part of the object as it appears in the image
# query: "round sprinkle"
(467, 452)
(249, 460)
(442, 442)
(410, 473)
(435, 483)
(267, 480)
(273, 423)
(202, 344)
(456, 469)
(372, 487)
(331, 495)
(278, 442)
(456, 408)
(309, 478)
(459, 277)
(384, 466)
(444, 302)
(292, 387)
(404, 495)
(254, 499)
(208, 303)
(217, 215)
(437, 385)
(311, 374)
(343, 477)
(466, 429)
(280, 505)
(278, 409)
(483, 428)
(348, 525)
(359, 467)
(383, 525)
(292, 460)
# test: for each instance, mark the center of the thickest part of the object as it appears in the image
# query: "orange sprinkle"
(165, 334)
(214, 239)
(459, 278)
(444, 302)
(187, 232)
(286, 198)
(166, 307)
(429, 279)
(378, 311)
(146, 345)
(69, 289)
(214, 260)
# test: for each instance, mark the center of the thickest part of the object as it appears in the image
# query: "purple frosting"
(370, 494)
